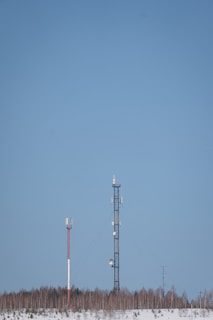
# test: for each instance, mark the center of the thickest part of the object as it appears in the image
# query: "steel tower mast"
(68, 223)
(116, 224)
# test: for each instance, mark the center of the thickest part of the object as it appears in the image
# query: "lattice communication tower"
(117, 200)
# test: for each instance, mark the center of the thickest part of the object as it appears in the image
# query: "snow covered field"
(139, 314)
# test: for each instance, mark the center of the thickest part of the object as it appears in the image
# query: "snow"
(139, 314)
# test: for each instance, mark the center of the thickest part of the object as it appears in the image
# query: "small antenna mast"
(68, 223)
(163, 280)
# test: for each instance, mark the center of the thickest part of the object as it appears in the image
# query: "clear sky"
(95, 88)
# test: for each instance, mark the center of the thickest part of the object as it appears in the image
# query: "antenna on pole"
(116, 224)
(68, 223)
(163, 280)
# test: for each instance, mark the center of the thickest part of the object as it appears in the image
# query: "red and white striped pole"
(69, 227)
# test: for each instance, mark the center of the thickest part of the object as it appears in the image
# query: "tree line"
(48, 297)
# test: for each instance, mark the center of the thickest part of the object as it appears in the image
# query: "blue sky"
(95, 88)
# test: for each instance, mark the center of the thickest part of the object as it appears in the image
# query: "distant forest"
(47, 298)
